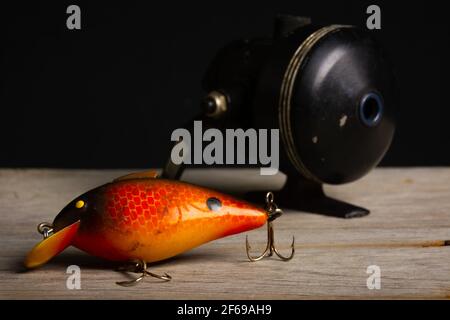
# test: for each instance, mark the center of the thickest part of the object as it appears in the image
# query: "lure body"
(146, 219)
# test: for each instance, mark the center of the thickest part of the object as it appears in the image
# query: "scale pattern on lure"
(141, 218)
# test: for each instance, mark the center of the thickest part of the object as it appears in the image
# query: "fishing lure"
(142, 218)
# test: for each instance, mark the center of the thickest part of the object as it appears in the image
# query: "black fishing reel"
(328, 89)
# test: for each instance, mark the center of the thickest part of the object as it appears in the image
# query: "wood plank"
(404, 235)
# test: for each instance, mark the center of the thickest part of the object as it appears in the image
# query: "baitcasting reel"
(328, 89)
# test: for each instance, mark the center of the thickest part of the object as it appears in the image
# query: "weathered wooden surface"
(403, 236)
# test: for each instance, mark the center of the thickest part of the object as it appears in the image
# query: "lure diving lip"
(51, 246)
(140, 218)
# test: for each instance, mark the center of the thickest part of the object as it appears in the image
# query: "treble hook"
(141, 266)
(273, 212)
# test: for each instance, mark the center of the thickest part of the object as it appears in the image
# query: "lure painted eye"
(79, 204)
(213, 204)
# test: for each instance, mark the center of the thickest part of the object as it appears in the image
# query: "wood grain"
(405, 235)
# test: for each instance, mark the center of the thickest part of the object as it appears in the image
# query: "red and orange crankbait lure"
(140, 217)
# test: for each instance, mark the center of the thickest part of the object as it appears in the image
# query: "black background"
(110, 94)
